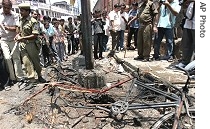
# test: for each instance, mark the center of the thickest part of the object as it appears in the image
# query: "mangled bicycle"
(175, 105)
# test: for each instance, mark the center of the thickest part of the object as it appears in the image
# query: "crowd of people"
(148, 22)
(27, 37)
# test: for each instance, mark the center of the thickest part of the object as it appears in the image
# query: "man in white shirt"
(8, 23)
(188, 38)
(123, 23)
(114, 28)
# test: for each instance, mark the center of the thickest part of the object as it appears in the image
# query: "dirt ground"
(45, 111)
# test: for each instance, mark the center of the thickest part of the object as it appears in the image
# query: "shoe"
(45, 65)
(170, 59)
(122, 49)
(96, 57)
(131, 48)
(22, 79)
(146, 60)
(117, 51)
(180, 65)
(164, 57)
(138, 58)
(81, 53)
(7, 88)
(42, 80)
(156, 59)
(31, 80)
(111, 54)
(100, 58)
(11, 83)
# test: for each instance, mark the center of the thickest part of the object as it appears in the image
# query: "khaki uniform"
(146, 13)
(29, 49)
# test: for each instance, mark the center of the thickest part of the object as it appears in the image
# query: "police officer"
(147, 16)
(27, 37)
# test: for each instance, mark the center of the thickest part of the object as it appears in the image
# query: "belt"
(145, 23)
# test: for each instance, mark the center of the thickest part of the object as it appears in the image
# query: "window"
(42, 12)
(17, 10)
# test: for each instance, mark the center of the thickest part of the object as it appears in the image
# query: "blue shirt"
(50, 31)
(167, 19)
(135, 23)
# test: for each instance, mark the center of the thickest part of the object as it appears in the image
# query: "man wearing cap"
(27, 37)
(147, 16)
(8, 23)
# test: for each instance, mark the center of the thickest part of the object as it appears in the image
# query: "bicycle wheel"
(165, 122)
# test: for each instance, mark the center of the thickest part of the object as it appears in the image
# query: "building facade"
(109, 4)
(57, 9)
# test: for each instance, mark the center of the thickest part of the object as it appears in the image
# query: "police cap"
(24, 5)
(135, 4)
(117, 5)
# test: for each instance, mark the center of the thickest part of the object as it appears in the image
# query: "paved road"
(160, 68)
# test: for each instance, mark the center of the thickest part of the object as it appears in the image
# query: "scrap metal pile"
(130, 99)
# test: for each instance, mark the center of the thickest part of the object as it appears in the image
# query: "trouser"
(169, 35)
(60, 50)
(53, 49)
(13, 61)
(98, 43)
(81, 44)
(121, 39)
(144, 40)
(76, 44)
(71, 44)
(31, 60)
(132, 31)
(46, 53)
(188, 45)
(4, 75)
(105, 41)
(55, 52)
(115, 39)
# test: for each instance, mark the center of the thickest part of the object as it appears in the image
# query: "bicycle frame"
(120, 107)
(184, 101)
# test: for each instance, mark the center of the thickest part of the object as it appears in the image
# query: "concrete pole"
(112, 5)
(87, 35)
